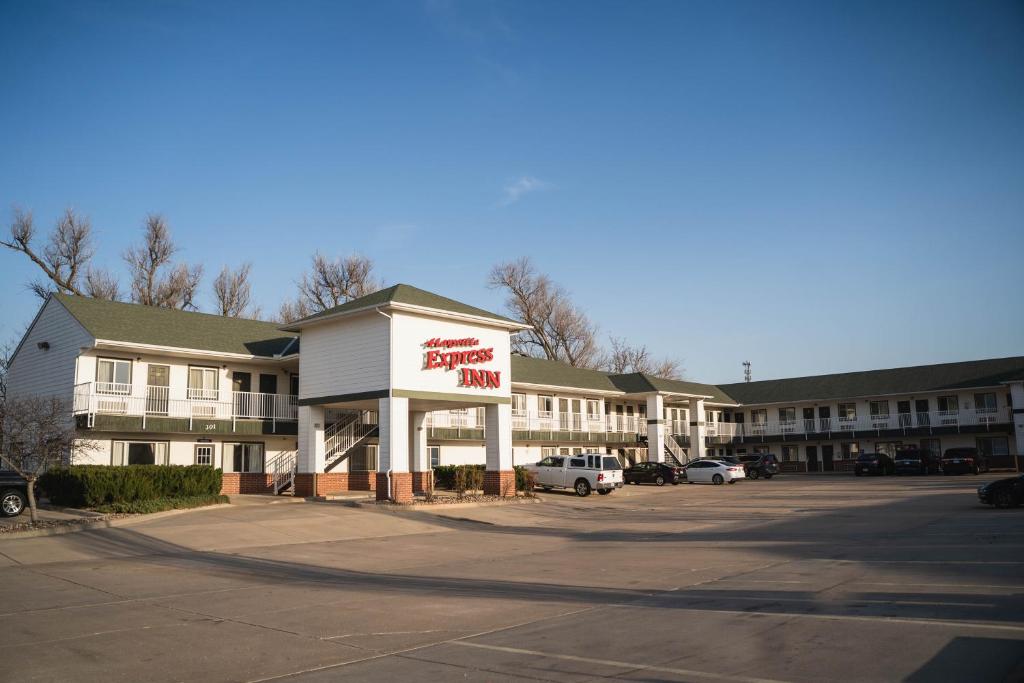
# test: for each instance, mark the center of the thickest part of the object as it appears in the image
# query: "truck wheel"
(717, 479)
(604, 492)
(12, 503)
(582, 488)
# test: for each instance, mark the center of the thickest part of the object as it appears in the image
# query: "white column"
(656, 428)
(498, 425)
(696, 428)
(1017, 397)
(393, 453)
(418, 436)
(311, 439)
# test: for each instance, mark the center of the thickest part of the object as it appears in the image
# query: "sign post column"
(500, 478)
(422, 474)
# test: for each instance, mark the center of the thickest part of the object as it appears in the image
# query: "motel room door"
(826, 459)
(812, 458)
(158, 382)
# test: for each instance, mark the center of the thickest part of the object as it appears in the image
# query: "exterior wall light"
(43, 346)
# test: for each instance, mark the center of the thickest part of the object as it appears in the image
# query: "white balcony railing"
(107, 398)
(901, 421)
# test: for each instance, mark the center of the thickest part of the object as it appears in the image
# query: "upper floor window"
(787, 414)
(593, 409)
(948, 404)
(985, 403)
(203, 383)
(879, 408)
(114, 375)
(519, 404)
(546, 405)
(847, 411)
(759, 415)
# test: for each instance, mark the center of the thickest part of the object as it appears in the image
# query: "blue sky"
(813, 186)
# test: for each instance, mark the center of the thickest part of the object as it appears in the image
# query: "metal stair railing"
(282, 471)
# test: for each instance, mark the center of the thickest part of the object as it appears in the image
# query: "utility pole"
(746, 371)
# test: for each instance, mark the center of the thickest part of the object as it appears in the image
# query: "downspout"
(391, 377)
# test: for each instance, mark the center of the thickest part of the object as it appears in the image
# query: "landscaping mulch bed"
(26, 525)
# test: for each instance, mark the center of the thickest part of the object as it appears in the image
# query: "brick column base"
(329, 483)
(401, 486)
(304, 485)
(422, 481)
(500, 483)
(362, 481)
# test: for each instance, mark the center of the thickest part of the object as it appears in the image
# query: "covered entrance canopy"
(404, 352)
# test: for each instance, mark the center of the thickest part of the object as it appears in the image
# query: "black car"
(916, 461)
(873, 463)
(653, 473)
(13, 494)
(760, 465)
(1003, 493)
(963, 461)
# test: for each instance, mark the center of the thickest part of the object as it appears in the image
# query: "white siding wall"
(182, 448)
(51, 372)
(348, 356)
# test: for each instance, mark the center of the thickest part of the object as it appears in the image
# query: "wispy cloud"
(515, 191)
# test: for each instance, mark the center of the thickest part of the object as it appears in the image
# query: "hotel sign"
(458, 355)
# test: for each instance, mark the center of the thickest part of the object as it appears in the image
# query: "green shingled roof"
(639, 382)
(116, 321)
(406, 294)
(944, 376)
(553, 373)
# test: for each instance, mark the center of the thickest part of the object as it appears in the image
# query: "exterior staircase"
(341, 437)
(282, 470)
(674, 453)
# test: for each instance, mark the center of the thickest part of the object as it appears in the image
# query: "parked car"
(581, 473)
(13, 494)
(713, 472)
(873, 463)
(1003, 493)
(760, 465)
(659, 473)
(916, 461)
(963, 461)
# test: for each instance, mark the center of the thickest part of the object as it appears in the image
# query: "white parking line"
(618, 664)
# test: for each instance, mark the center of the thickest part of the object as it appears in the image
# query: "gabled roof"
(138, 324)
(920, 378)
(404, 294)
(640, 382)
(527, 370)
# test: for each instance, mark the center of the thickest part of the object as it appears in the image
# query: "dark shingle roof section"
(407, 294)
(553, 373)
(944, 376)
(639, 382)
(116, 321)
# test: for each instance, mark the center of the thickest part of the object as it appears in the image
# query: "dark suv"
(963, 461)
(916, 461)
(13, 494)
(760, 465)
(873, 463)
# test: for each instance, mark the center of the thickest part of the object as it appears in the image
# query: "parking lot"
(801, 578)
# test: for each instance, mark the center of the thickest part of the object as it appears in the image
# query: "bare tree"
(6, 354)
(330, 283)
(101, 284)
(623, 357)
(65, 256)
(560, 331)
(37, 434)
(154, 281)
(234, 293)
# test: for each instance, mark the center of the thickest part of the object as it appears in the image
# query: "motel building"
(372, 394)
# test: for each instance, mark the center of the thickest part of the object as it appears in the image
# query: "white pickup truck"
(582, 473)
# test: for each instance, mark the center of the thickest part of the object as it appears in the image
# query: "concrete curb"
(103, 523)
(428, 507)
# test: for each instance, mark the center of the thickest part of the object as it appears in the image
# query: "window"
(789, 453)
(435, 455)
(759, 416)
(519, 404)
(546, 405)
(139, 453)
(293, 385)
(203, 383)
(847, 411)
(850, 450)
(993, 446)
(578, 462)
(113, 376)
(949, 410)
(985, 403)
(246, 457)
(879, 413)
(547, 451)
(364, 459)
(593, 409)
(204, 454)
(787, 419)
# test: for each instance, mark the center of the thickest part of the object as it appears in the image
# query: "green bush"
(525, 479)
(146, 507)
(451, 477)
(95, 485)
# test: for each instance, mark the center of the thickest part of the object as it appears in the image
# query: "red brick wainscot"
(500, 483)
(422, 481)
(238, 483)
(401, 486)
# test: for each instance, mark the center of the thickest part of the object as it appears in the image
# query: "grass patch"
(145, 507)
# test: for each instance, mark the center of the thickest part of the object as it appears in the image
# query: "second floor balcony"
(182, 403)
(916, 423)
